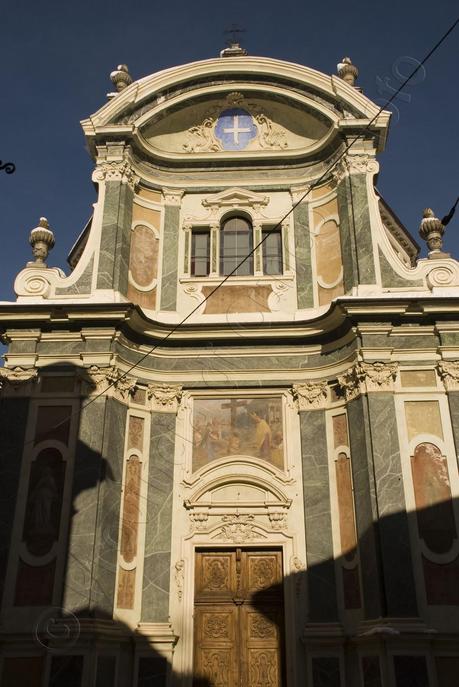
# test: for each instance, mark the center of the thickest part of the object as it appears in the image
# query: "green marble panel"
(399, 584)
(108, 512)
(390, 278)
(157, 561)
(321, 581)
(303, 263)
(365, 506)
(170, 258)
(346, 237)
(83, 284)
(453, 400)
(115, 238)
(13, 422)
(360, 217)
(88, 475)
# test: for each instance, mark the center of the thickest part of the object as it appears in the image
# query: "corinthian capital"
(368, 377)
(449, 373)
(310, 396)
(164, 398)
(108, 380)
(116, 170)
(378, 376)
(16, 377)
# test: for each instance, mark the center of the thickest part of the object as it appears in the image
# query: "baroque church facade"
(248, 483)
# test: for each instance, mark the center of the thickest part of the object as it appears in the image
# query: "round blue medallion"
(235, 128)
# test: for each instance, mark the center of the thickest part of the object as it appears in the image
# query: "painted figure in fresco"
(234, 444)
(263, 437)
(41, 502)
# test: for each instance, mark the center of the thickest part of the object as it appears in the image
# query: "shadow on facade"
(362, 598)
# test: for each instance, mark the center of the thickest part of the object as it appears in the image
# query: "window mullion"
(258, 253)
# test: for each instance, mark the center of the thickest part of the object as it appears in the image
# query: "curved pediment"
(234, 108)
(236, 123)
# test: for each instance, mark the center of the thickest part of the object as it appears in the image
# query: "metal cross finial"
(233, 32)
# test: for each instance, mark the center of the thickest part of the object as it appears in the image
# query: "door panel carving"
(237, 642)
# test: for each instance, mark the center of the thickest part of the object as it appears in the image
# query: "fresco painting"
(238, 427)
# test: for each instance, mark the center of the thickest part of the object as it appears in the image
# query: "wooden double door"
(238, 618)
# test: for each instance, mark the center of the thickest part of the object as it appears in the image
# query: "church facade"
(230, 433)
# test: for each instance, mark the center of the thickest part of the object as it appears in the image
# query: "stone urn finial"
(42, 241)
(431, 230)
(121, 77)
(347, 71)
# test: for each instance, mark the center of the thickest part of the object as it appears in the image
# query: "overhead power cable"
(269, 232)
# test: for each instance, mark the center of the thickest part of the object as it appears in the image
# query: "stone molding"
(367, 378)
(449, 373)
(108, 381)
(310, 396)
(164, 398)
(17, 376)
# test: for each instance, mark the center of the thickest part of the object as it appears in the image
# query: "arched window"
(236, 242)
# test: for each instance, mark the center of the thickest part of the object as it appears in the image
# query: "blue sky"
(57, 56)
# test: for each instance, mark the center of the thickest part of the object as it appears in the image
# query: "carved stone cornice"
(116, 170)
(108, 380)
(17, 376)
(368, 377)
(310, 396)
(164, 398)
(449, 373)
(339, 171)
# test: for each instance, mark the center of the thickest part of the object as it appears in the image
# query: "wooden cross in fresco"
(233, 405)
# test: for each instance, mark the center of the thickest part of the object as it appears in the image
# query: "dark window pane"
(200, 253)
(66, 671)
(235, 245)
(272, 252)
(411, 671)
(325, 671)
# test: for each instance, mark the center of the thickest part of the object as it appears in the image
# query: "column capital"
(310, 395)
(449, 373)
(164, 398)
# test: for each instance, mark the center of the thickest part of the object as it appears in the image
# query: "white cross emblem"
(236, 130)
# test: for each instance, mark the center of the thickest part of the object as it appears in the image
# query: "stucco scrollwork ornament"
(202, 137)
(311, 395)
(199, 521)
(164, 398)
(449, 373)
(278, 520)
(443, 275)
(297, 567)
(17, 376)
(238, 528)
(179, 577)
(377, 376)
